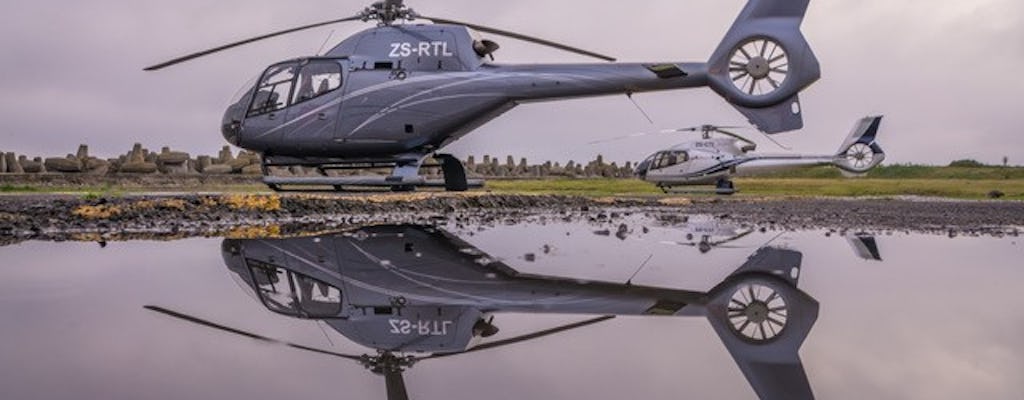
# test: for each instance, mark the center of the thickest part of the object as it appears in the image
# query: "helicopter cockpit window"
(286, 292)
(669, 158)
(275, 89)
(316, 79)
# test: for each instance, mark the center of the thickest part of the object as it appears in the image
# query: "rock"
(83, 152)
(137, 155)
(31, 167)
(138, 168)
(13, 164)
(172, 162)
(217, 169)
(238, 164)
(204, 162)
(172, 158)
(66, 165)
(252, 170)
(225, 156)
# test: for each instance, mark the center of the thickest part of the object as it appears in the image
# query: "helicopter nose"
(231, 126)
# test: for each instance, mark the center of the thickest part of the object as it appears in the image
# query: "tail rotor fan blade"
(218, 49)
(240, 332)
(519, 36)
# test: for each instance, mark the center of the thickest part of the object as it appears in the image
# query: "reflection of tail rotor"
(763, 319)
(757, 312)
(759, 66)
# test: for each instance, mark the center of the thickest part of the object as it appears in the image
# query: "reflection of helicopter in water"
(417, 293)
(392, 95)
(712, 161)
(706, 233)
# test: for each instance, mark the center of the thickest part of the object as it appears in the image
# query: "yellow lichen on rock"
(255, 232)
(102, 211)
(254, 202)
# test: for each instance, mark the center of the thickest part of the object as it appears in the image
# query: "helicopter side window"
(670, 158)
(317, 79)
(286, 292)
(274, 90)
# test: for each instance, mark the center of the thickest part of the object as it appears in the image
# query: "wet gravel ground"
(61, 217)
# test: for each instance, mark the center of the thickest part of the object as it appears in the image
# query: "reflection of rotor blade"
(240, 332)
(395, 385)
(523, 338)
(522, 37)
(734, 238)
(244, 42)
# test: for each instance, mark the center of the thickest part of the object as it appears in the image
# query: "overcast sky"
(944, 72)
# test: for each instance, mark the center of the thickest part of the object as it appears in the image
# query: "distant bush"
(967, 164)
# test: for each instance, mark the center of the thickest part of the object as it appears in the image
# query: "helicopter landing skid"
(694, 190)
(404, 177)
(396, 183)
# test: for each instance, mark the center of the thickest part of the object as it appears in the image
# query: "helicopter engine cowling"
(764, 62)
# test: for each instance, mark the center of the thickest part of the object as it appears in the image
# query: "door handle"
(272, 116)
(321, 116)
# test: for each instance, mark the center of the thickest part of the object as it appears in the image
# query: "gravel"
(62, 217)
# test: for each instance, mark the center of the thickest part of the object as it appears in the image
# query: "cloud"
(944, 72)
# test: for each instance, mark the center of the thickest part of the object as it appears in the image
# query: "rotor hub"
(758, 67)
(387, 12)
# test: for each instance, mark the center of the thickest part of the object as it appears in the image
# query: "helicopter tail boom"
(764, 62)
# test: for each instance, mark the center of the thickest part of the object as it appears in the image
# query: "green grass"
(17, 189)
(893, 180)
(576, 187)
(949, 188)
(830, 187)
(912, 171)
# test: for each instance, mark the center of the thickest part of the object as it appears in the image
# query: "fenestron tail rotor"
(385, 13)
(759, 66)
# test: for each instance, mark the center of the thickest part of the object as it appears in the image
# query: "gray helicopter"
(712, 161)
(419, 293)
(394, 95)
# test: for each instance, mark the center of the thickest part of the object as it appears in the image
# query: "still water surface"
(704, 309)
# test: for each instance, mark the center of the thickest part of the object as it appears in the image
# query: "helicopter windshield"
(286, 292)
(274, 90)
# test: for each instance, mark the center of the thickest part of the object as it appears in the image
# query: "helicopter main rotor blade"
(203, 53)
(395, 385)
(225, 328)
(519, 36)
(523, 338)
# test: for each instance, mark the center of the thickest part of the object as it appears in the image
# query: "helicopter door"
(266, 112)
(313, 110)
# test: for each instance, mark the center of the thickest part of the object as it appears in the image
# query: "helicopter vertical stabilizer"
(861, 151)
(764, 62)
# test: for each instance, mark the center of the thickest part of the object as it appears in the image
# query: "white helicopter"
(713, 160)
